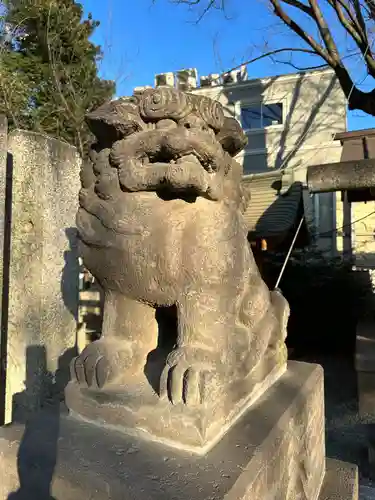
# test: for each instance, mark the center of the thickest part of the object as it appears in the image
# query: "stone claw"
(188, 377)
(96, 366)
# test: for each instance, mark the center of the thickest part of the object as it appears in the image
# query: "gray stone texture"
(190, 330)
(43, 267)
(3, 173)
(340, 482)
(341, 176)
(371, 448)
(5, 252)
(366, 393)
(275, 451)
(138, 410)
(365, 345)
(365, 365)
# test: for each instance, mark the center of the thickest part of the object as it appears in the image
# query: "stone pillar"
(3, 170)
(43, 268)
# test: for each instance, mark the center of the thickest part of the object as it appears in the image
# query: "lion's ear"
(115, 120)
(231, 137)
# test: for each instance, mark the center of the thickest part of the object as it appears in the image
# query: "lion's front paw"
(99, 364)
(190, 377)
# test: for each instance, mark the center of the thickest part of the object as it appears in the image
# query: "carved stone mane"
(190, 329)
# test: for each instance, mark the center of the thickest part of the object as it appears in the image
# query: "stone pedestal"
(275, 451)
(371, 449)
(136, 408)
(365, 366)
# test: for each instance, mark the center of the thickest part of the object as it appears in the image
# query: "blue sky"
(141, 38)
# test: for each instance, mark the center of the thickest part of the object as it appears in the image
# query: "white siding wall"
(314, 110)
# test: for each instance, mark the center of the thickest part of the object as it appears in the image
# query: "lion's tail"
(264, 315)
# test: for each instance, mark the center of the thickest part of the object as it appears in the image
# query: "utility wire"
(328, 233)
(289, 253)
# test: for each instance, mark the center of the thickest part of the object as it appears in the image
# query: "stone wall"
(40, 285)
(3, 165)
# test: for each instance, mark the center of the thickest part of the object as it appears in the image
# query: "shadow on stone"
(347, 433)
(69, 286)
(39, 407)
(166, 318)
(4, 311)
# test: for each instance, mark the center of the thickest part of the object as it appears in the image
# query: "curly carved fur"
(160, 224)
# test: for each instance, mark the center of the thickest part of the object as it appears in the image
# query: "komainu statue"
(189, 326)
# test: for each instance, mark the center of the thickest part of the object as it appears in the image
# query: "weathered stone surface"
(43, 268)
(371, 448)
(340, 482)
(275, 451)
(366, 393)
(4, 251)
(365, 365)
(136, 409)
(341, 176)
(188, 319)
(365, 344)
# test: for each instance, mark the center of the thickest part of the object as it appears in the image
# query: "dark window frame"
(261, 105)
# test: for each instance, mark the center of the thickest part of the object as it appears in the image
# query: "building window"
(255, 164)
(261, 115)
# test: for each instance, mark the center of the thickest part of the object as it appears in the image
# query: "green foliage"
(48, 73)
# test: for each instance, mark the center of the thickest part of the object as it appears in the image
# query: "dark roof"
(274, 207)
(357, 145)
(354, 134)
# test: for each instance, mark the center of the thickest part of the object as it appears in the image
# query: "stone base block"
(371, 449)
(340, 481)
(366, 393)
(365, 345)
(137, 410)
(275, 452)
(365, 366)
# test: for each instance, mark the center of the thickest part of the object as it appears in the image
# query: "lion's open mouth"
(176, 159)
(172, 146)
(208, 163)
(191, 158)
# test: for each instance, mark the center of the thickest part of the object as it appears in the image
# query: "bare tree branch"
(296, 67)
(350, 14)
(212, 4)
(361, 42)
(325, 32)
(270, 54)
(370, 8)
(357, 7)
(301, 6)
(354, 17)
(357, 99)
(317, 48)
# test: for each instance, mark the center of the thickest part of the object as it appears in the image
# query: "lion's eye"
(156, 98)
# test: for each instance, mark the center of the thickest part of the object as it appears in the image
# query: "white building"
(291, 121)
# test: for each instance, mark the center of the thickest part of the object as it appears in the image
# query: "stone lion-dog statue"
(161, 225)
